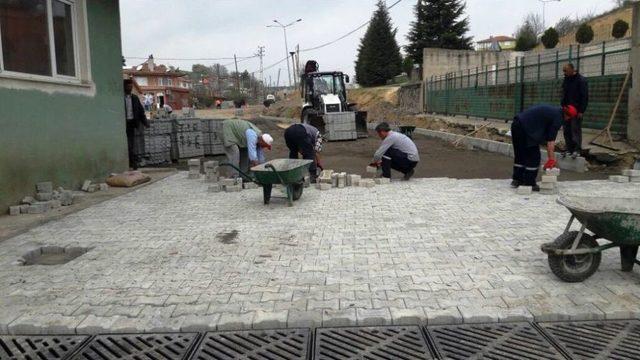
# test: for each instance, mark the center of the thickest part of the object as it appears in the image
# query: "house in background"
(61, 97)
(496, 43)
(165, 84)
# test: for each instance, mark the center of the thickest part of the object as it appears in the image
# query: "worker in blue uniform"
(533, 127)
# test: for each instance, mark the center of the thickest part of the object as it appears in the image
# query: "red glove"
(376, 164)
(550, 164)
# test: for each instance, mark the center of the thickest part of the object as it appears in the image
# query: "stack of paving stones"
(212, 136)
(329, 179)
(90, 187)
(186, 139)
(46, 199)
(628, 175)
(549, 182)
(194, 168)
(340, 126)
(157, 143)
(231, 185)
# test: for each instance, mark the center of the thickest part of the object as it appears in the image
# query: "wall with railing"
(502, 90)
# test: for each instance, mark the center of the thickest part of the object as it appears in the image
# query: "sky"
(206, 29)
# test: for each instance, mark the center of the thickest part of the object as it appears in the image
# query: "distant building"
(496, 43)
(165, 84)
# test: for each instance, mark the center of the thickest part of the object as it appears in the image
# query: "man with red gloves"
(538, 125)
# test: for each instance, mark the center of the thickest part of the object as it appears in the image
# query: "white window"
(166, 81)
(40, 40)
(142, 80)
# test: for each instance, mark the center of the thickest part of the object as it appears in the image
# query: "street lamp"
(544, 12)
(286, 46)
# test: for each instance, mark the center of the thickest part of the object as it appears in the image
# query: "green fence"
(501, 91)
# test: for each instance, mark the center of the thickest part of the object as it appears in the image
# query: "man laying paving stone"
(306, 140)
(531, 128)
(397, 152)
(244, 144)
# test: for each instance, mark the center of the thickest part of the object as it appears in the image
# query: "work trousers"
(527, 157)
(238, 157)
(299, 142)
(396, 160)
(572, 131)
(131, 146)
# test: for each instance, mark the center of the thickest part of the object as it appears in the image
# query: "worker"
(575, 92)
(306, 140)
(397, 152)
(244, 144)
(135, 118)
(531, 128)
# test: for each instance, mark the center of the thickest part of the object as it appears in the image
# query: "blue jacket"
(541, 123)
(575, 91)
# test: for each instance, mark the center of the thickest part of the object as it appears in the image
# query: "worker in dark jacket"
(531, 128)
(135, 119)
(306, 140)
(575, 92)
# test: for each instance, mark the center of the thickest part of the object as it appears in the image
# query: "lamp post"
(544, 12)
(286, 46)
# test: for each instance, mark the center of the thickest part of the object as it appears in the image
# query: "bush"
(550, 38)
(584, 35)
(620, 29)
(526, 41)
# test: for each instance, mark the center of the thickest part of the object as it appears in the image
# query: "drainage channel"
(554, 340)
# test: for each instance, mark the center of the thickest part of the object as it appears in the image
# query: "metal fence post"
(508, 71)
(604, 57)
(521, 84)
(557, 64)
(578, 58)
(538, 67)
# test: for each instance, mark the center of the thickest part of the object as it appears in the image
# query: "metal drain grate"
(257, 344)
(597, 339)
(492, 341)
(39, 347)
(385, 342)
(138, 346)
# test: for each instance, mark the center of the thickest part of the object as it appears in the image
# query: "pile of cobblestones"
(46, 198)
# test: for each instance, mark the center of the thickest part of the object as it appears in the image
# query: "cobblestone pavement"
(172, 257)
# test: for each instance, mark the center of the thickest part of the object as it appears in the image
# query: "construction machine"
(325, 105)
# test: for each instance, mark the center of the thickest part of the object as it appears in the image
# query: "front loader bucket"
(361, 124)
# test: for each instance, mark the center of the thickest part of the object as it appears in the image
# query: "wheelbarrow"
(575, 255)
(407, 130)
(288, 172)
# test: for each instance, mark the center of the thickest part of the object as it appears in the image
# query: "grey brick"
(335, 317)
(236, 321)
(373, 317)
(44, 187)
(413, 316)
(304, 319)
(270, 319)
(449, 316)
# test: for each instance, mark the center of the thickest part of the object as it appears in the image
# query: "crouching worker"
(244, 144)
(533, 127)
(306, 140)
(397, 152)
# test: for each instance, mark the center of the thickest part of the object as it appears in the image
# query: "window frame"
(55, 77)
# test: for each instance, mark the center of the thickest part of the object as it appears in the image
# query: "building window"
(142, 80)
(38, 37)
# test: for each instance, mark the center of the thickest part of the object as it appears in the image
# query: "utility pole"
(218, 78)
(235, 60)
(544, 12)
(261, 54)
(278, 82)
(286, 46)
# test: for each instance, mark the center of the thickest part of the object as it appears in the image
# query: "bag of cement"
(128, 179)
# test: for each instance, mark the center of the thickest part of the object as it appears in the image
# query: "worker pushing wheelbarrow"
(575, 255)
(288, 172)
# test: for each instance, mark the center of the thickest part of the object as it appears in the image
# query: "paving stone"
(194, 176)
(619, 178)
(214, 188)
(28, 200)
(547, 185)
(413, 316)
(353, 180)
(14, 210)
(342, 180)
(233, 188)
(373, 317)
(44, 187)
(96, 324)
(250, 186)
(367, 183)
(38, 208)
(41, 196)
(631, 172)
(335, 317)
(104, 187)
(549, 179)
(54, 204)
(448, 316)
(323, 186)
(85, 185)
(524, 190)
(553, 172)
(371, 170)
(200, 323)
(382, 181)
(193, 163)
(236, 321)
(304, 319)
(270, 319)
(227, 182)
(476, 314)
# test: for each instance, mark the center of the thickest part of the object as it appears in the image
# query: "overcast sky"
(188, 29)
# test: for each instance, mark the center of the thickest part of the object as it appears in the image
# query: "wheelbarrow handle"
(242, 173)
(270, 166)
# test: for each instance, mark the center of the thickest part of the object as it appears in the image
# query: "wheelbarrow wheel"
(297, 191)
(574, 268)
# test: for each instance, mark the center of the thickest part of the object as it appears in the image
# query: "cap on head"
(383, 126)
(570, 111)
(267, 139)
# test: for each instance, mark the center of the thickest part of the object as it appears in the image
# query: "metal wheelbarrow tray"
(575, 255)
(288, 172)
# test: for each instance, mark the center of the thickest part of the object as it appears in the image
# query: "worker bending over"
(397, 152)
(533, 127)
(244, 144)
(306, 140)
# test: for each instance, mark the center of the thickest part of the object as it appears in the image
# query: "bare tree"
(534, 21)
(567, 24)
(619, 3)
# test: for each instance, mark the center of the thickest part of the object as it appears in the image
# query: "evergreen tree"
(438, 24)
(585, 34)
(550, 38)
(526, 37)
(620, 29)
(379, 56)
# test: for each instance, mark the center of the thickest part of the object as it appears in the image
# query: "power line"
(347, 34)
(189, 59)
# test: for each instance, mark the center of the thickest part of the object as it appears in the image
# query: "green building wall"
(67, 138)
